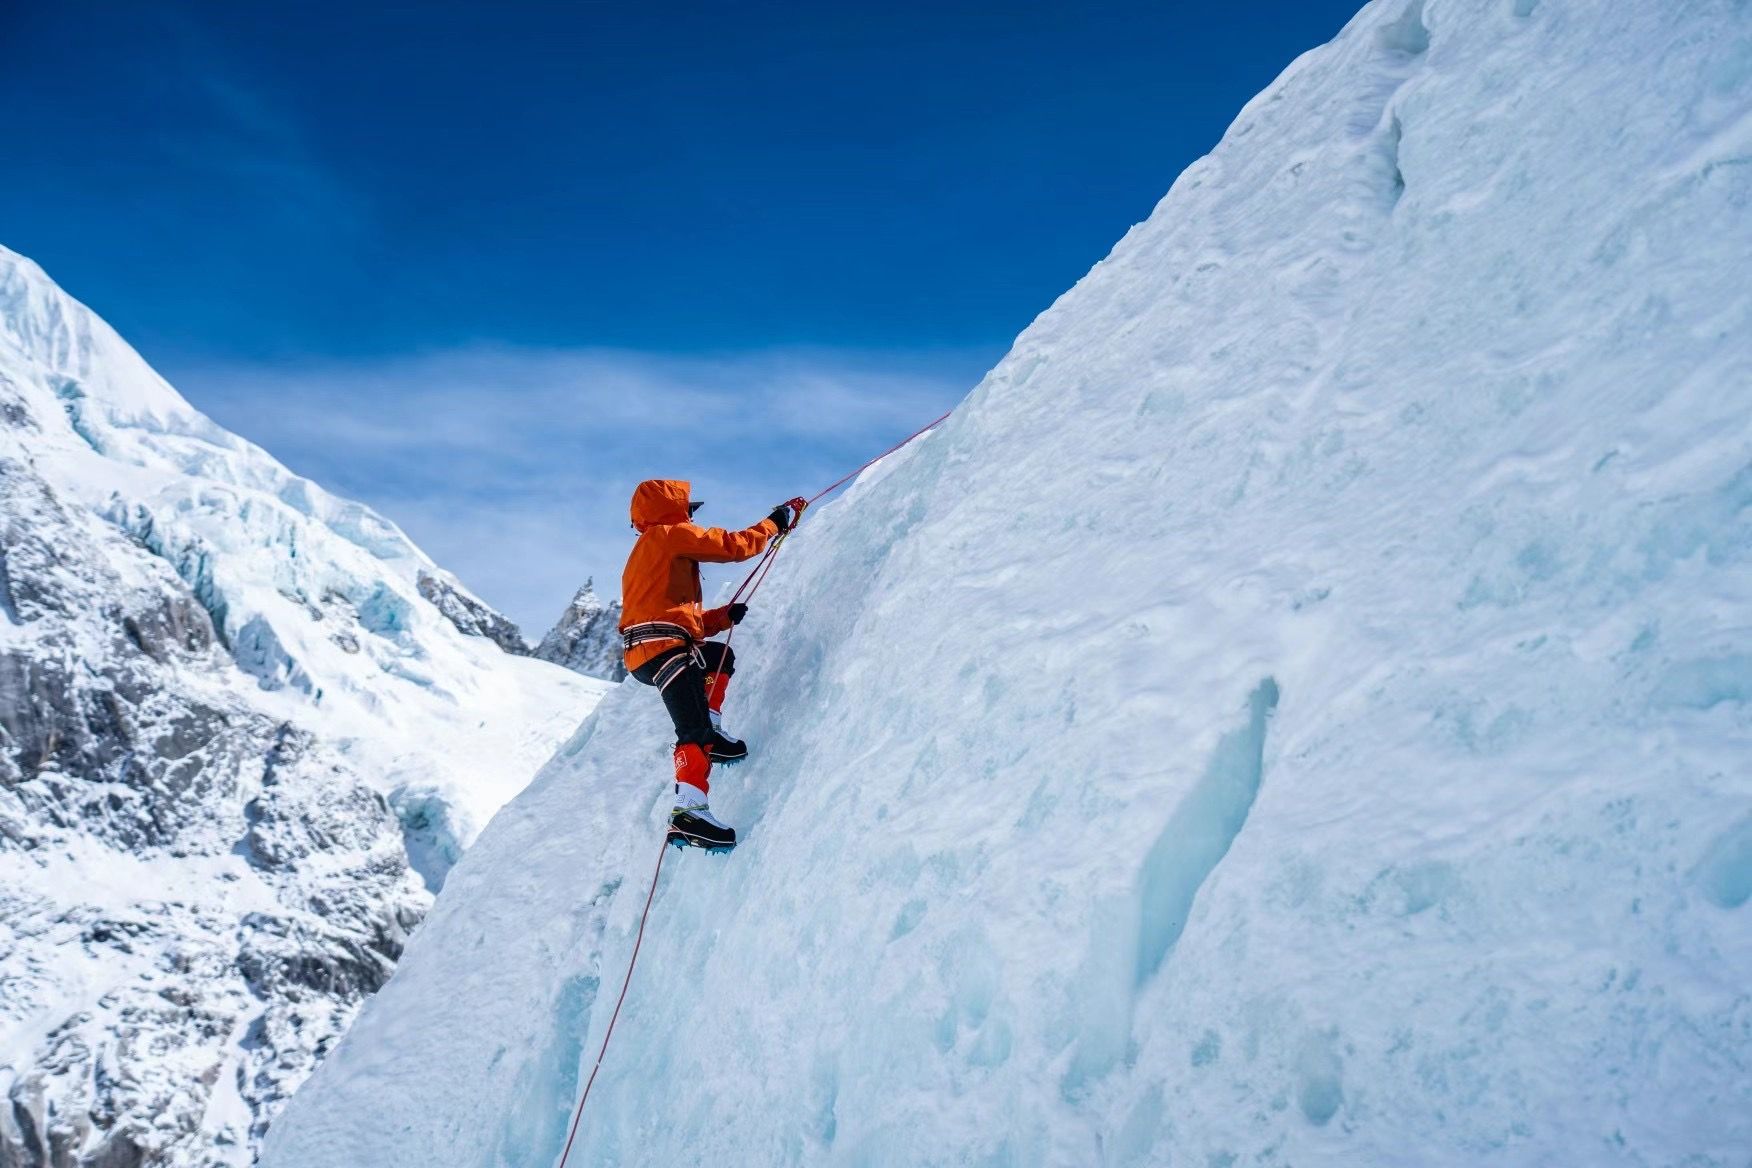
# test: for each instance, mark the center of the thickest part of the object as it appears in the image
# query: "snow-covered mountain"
(242, 731)
(1295, 712)
(586, 638)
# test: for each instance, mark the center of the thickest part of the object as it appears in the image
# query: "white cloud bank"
(512, 467)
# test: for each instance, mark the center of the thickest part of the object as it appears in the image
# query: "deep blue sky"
(402, 245)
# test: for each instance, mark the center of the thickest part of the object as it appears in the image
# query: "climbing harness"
(649, 631)
(653, 631)
(662, 631)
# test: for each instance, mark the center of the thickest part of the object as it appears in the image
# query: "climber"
(664, 630)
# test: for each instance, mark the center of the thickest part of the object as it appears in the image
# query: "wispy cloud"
(238, 130)
(512, 467)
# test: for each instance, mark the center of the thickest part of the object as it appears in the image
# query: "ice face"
(1292, 712)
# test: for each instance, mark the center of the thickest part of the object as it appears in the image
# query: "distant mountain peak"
(586, 638)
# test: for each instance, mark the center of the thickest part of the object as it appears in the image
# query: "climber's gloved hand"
(787, 513)
(736, 612)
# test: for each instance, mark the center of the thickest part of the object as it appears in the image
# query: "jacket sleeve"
(716, 620)
(714, 545)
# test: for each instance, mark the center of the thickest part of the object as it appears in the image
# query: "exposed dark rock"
(110, 734)
(586, 638)
(472, 617)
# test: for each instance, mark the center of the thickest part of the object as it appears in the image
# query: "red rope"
(758, 574)
(838, 483)
(760, 564)
(614, 1017)
(751, 584)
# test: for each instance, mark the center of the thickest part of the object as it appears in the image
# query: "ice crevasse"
(1295, 711)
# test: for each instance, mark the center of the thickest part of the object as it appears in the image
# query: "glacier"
(1294, 712)
(245, 729)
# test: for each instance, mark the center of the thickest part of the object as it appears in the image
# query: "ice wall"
(1294, 712)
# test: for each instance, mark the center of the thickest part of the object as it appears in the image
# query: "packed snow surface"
(1295, 712)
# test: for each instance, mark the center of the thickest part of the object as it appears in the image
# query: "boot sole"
(680, 839)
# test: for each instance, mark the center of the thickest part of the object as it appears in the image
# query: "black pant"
(681, 681)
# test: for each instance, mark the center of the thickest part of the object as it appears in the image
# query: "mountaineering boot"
(725, 749)
(697, 827)
(722, 747)
(692, 823)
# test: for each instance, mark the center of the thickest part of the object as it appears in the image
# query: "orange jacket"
(662, 578)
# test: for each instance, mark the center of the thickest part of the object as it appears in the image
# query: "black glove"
(787, 513)
(737, 612)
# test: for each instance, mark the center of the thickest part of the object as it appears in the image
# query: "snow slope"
(1295, 712)
(317, 597)
(239, 720)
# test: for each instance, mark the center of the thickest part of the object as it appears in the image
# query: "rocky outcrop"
(470, 615)
(586, 638)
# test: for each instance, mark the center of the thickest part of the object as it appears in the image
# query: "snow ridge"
(239, 746)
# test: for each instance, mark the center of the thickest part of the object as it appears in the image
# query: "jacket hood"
(660, 502)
